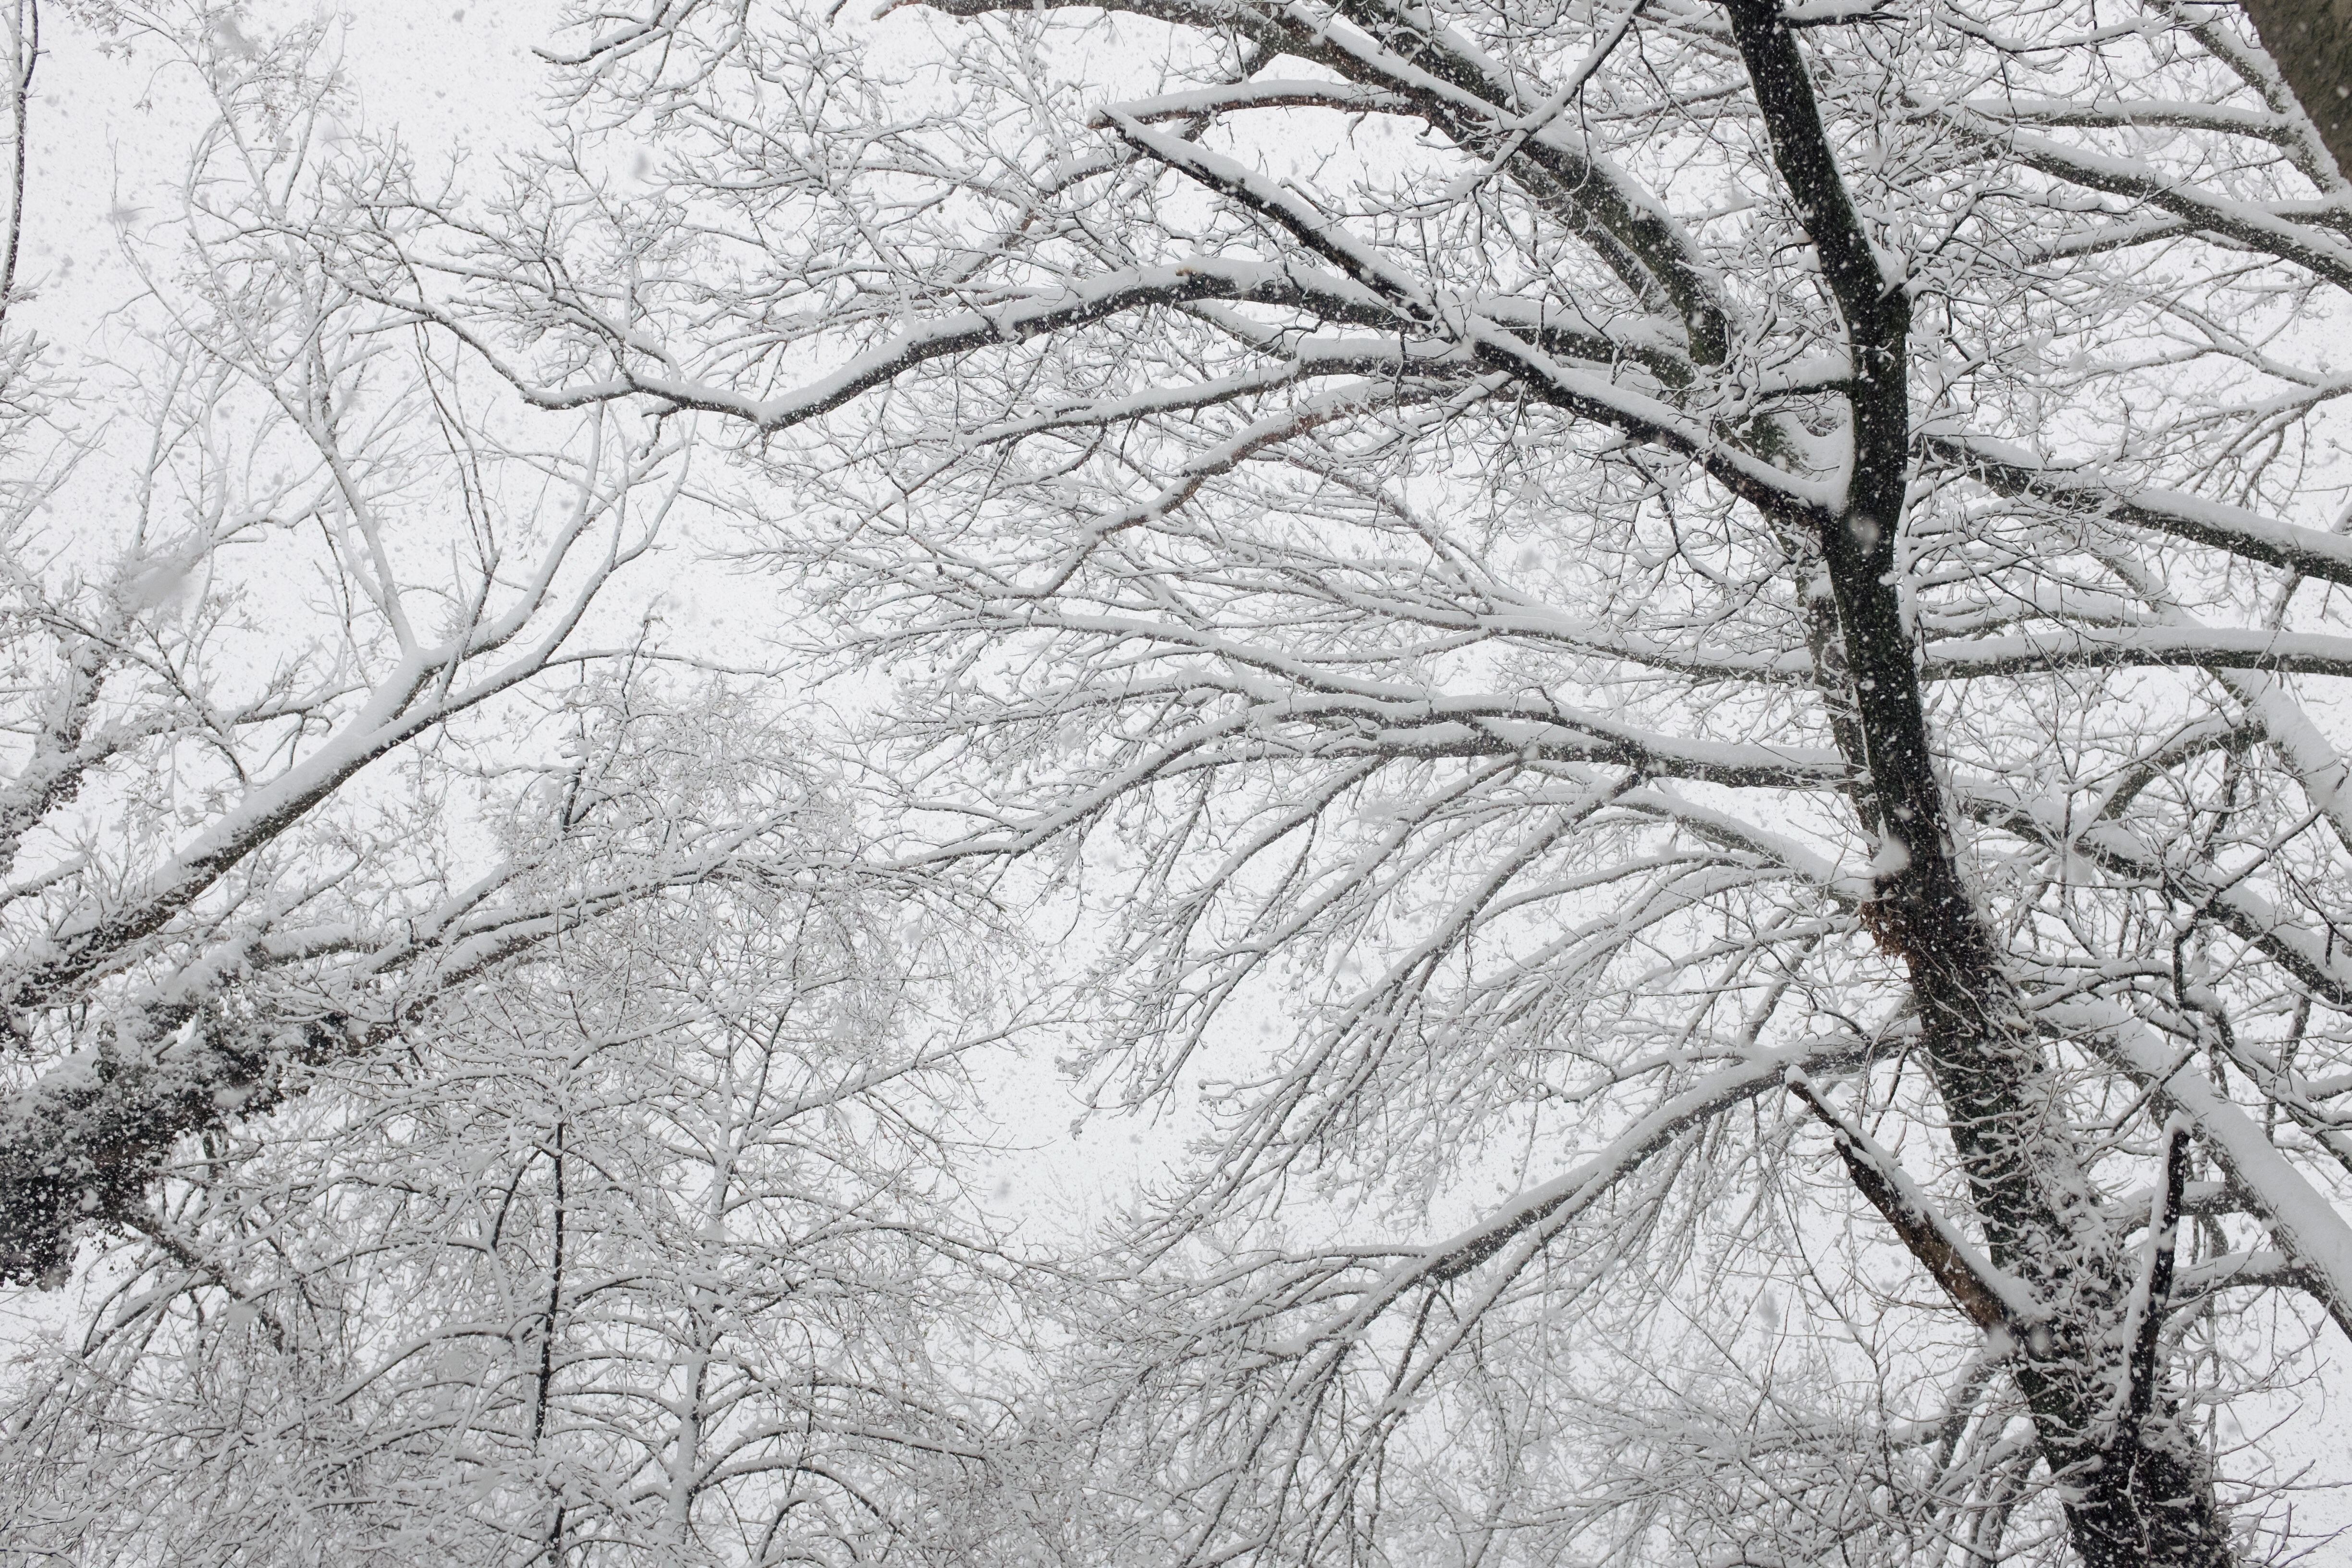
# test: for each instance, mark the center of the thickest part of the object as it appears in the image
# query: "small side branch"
(1991, 1298)
(2156, 1278)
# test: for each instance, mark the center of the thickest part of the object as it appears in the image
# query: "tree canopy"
(1667, 667)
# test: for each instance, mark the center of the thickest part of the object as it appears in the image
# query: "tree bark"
(2311, 41)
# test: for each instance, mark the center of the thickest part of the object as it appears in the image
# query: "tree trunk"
(2135, 1491)
(2311, 40)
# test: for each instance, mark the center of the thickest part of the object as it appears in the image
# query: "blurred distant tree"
(479, 1103)
(239, 574)
(648, 1253)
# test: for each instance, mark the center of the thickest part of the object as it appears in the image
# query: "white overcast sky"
(109, 133)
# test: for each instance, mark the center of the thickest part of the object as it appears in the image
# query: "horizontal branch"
(2120, 114)
(2111, 648)
(2010, 471)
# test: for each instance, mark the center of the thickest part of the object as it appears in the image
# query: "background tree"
(275, 543)
(1696, 606)
(518, 1118)
(652, 1252)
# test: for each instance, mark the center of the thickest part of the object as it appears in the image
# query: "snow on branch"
(2306, 1224)
(1992, 1298)
(2012, 471)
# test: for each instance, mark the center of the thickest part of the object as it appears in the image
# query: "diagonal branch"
(1991, 1297)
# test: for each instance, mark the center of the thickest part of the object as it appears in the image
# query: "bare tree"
(274, 544)
(654, 1251)
(1717, 585)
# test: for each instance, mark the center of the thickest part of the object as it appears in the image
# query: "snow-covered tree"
(468, 1097)
(258, 540)
(1719, 612)
(652, 1251)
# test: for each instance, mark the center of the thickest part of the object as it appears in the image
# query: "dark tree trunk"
(2136, 1492)
(2311, 40)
